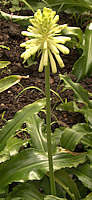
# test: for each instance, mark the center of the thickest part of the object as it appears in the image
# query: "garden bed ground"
(10, 36)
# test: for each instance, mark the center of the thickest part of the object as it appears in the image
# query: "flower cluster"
(44, 36)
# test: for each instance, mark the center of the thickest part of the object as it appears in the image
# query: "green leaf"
(9, 81)
(81, 95)
(67, 183)
(44, 184)
(56, 137)
(32, 165)
(35, 127)
(79, 91)
(27, 165)
(83, 65)
(20, 117)
(89, 154)
(68, 159)
(88, 197)
(51, 197)
(69, 106)
(74, 31)
(72, 136)
(84, 174)
(2, 198)
(73, 3)
(12, 147)
(22, 20)
(28, 5)
(25, 191)
(4, 156)
(4, 64)
(87, 113)
(87, 139)
(35, 4)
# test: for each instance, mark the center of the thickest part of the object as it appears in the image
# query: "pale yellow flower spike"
(45, 58)
(59, 60)
(44, 36)
(53, 63)
(41, 63)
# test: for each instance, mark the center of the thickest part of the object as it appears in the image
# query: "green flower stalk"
(45, 38)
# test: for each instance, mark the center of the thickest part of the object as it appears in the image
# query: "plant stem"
(48, 122)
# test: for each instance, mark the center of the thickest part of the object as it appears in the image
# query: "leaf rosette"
(45, 37)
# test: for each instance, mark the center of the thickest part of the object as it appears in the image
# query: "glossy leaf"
(4, 155)
(84, 174)
(35, 127)
(51, 197)
(12, 147)
(22, 20)
(67, 183)
(14, 17)
(72, 136)
(68, 159)
(14, 144)
(80, 93)
(88, 114)
(89, 154)
(87, 139)
(20, 117)
(9, 81)
(32, 165)
(25, 191)
(56, 137)
(83, 65)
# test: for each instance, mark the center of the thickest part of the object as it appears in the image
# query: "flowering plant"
(29, 168)
(45, 37)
